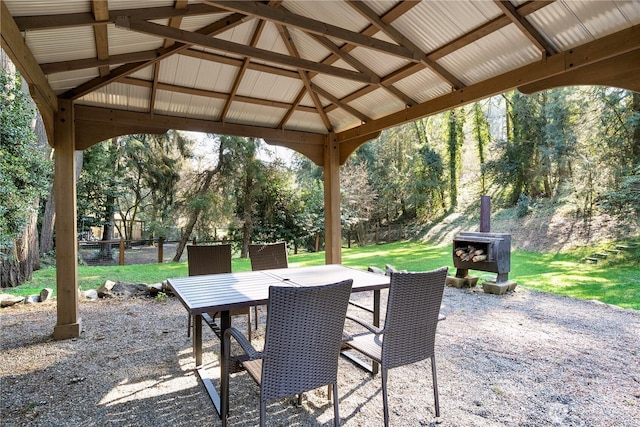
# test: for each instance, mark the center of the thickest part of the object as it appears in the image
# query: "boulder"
(45, 294)
(91, 294)
(104, 291)
(32, 299)
(7, 300)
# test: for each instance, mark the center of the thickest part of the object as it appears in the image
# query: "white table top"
(220, 292)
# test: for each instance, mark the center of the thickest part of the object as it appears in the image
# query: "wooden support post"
(160, 250)
(68, 322)
(121, 252)
(333, 232)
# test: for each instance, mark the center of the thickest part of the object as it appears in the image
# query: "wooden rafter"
(50, 22)
(349, 109)
(192, 38)
(94, 124)
(245, 64)
(393, 14)
(284, 17)
(100, 10)
(572, 60)
(130, 68)
(293, 51)
(174, 22)
(525, 27)
(215, 95)
(390, 31)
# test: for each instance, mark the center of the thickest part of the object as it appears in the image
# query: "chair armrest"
(243, 341)
(368, 326)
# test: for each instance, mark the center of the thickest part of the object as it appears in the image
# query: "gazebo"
(319, 77)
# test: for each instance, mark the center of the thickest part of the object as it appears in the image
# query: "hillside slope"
(552, 228)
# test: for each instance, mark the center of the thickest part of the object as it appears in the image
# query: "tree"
(455, 140)
(483, 139)
(24, 175)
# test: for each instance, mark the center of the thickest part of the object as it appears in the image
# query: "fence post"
(121, 251)
(160, 250)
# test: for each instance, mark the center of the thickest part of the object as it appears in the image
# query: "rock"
(91, 294)
(7, 300)
(32, 299)
(105, 290)
(45, 294)
(154, 289)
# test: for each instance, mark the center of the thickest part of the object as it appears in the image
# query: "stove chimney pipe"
(485, 214)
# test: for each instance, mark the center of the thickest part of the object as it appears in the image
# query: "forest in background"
(580, 145)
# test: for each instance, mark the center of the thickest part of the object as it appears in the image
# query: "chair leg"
(336, 412)
(385, 397)
(255, 315)
(435, 386)
(189, 327)
(263, 412)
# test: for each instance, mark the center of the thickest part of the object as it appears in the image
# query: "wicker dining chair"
(409, 331)
(302, 344)
(267, 256)
(212, 259)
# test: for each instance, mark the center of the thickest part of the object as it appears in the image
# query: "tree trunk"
(186, 234)
(49, 216)
(18, 268)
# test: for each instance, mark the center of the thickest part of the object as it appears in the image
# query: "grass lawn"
(615, 281)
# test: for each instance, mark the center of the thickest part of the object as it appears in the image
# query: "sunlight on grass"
(559, 273)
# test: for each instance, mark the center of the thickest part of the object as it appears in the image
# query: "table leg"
(374, 367)
(197, 339)
(376, 323)
(225, 323)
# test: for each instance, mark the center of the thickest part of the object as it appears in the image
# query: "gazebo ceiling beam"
(293, 51)
(48, 22)
(213, 94)
(525, 27)
(91, 119)
(191, 38)
(399, 38)
(100, 10)
(620, 43)
(124, 70)
(240, 74)
(289, 19)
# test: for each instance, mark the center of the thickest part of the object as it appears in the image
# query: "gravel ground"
(521, 359)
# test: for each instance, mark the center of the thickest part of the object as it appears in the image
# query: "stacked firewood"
(471, 253)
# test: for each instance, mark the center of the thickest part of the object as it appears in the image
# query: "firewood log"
(479, 258)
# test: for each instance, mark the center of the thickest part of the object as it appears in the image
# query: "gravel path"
(521, 359)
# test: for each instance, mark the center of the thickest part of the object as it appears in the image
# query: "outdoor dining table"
(220, 293)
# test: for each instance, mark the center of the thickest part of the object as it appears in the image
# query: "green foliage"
(24, 172)
(624, 200)
(161, 297)
(522, 207)
(455, 139)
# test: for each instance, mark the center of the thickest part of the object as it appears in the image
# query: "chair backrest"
(412, 316)
(303, 338)
(268, 256)
(208, 259)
